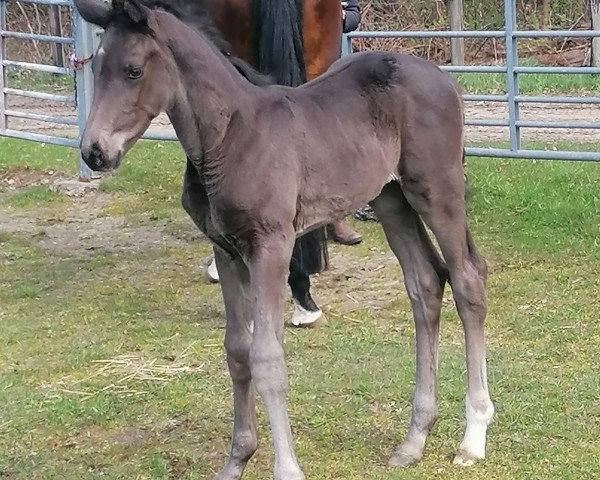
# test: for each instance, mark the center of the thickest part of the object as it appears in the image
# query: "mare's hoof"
(302, 318)
(465, 459)
(342, 233)
(211, 274)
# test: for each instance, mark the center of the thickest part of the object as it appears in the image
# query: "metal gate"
(513, 98)
(78, 100)
(85, 37)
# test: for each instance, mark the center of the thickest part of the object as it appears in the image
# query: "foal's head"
(134, 80)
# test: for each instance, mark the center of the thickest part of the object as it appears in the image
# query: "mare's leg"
(437, 193)
(238, 338)
(306, 312)
(424, 277)
(309, 256)
(268, 266)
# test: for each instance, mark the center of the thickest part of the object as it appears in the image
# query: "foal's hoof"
(212, 274)
(306, 318)
(229, 473)
(465, 458)
(402, 460)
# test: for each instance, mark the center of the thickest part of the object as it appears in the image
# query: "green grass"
(17, 153)
(39, 81)
(68, 414)
(531, 83)
(34, 196)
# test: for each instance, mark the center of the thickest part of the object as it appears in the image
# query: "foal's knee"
(469, 291)
(269, 371)
(425, 289)
(238, 356)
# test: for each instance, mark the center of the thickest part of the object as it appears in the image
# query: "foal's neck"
(211, 91)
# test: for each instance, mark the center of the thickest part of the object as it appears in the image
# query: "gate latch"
(76, 63)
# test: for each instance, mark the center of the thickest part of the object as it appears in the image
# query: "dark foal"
(273, 162)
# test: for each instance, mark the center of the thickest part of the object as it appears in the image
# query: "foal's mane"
(194, 13)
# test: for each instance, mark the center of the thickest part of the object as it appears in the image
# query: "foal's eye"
(134, 71)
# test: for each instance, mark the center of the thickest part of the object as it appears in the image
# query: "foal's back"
(373, 117)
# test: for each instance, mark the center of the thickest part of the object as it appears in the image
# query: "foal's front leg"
(238, 338)
(268, 267)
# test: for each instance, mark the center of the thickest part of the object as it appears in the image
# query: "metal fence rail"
(512, 70)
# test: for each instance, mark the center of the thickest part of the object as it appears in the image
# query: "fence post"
(512, 78)
(84, 48)
(346, 45)
(595, 15)
(457, 45)
(57, 31)
(2, 68)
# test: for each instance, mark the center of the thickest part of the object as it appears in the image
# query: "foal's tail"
(279, 52)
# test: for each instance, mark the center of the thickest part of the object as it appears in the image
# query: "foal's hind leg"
(424, 277)
(439, 198)
(238, 338)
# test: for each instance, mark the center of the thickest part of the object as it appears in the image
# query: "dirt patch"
(74, 232)
(127, 436)
(97, 436)
(178, 466)
(80, 227)
(19, 178)
(533, 112)
(8, 474)
(15, 179)
(109, 234)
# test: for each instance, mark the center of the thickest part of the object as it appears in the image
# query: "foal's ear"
(98, 12)
(133, 10)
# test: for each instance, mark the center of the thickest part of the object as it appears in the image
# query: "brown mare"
(321, 33)
(276, 161)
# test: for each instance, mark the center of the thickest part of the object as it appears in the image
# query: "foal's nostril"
(96, 157)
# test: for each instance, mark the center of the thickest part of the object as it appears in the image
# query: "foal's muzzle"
(96, 158)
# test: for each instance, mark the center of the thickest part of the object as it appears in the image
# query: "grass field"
(111, 358)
